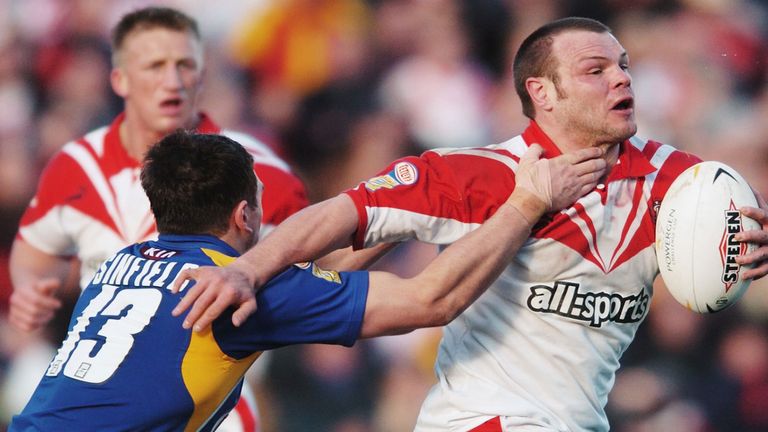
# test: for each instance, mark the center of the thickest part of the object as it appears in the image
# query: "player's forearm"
(465, 269)
(37, 277)
(451, 282)
(350, 260)
(28, 265)
(305, 236)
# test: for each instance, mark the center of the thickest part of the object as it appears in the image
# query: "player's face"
(159, 75)
(594, 98)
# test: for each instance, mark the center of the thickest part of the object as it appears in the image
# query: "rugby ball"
(695, 225)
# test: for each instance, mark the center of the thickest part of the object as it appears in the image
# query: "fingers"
(758, 214)
(47, 287)
(28, 320)
(756, 272)
(243, 312)
(588, 186)
(191, 294)
(34, 306)
(215, 290)
(216, 308)
(210, 305)
(533, 154)
(583, 154)
(759, 237)
(591, 167)
(200, 305)
(182, 278)
(28, 323)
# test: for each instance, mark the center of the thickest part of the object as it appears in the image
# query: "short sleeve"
(42, 225)
(435, 198)
(301, 305)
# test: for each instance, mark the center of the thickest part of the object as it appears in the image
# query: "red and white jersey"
(541, 347)
(90, 203)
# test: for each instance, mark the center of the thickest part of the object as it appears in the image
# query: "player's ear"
(539, 90)
(241, 217)
(119, 82)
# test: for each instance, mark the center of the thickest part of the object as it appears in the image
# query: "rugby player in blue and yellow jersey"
(128, 364)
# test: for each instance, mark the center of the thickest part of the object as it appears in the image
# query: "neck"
(135, 141)
(238, 241)
(567, 141)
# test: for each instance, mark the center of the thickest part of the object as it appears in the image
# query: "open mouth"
(624, 104)
(171, 103)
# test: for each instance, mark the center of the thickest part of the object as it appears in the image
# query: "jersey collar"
(196, 241)
(113, 142)
(632, 162)
(206, 125)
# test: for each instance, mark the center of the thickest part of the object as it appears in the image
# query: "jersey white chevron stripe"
(261, 153)
(658, 160)
(506, 160)
(634, 225)
(94, 173)
(638, 142)
(410, 224)
(587, 201)
(95, 139)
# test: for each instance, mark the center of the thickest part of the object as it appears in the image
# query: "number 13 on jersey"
(124, 314)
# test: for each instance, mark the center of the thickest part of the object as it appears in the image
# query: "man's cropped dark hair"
(148, 18)
(534, 57)
(194, 181)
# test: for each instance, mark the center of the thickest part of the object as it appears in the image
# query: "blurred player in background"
(89, 201)
(127, 363)
(540, 349)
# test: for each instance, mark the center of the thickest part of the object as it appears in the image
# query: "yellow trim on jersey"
(218, 258)
(208, 373)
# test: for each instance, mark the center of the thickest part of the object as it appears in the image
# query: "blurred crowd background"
(341, 87)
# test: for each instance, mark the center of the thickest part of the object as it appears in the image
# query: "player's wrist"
(246, 272)
(527, 204)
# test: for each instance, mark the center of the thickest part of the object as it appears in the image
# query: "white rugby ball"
(695, 226)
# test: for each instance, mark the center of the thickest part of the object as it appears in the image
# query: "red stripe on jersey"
(650, 149)
(358, 242)
(63, 182)
(247, 416)
(206, 125)
(492, 425)
(565, 230)
(676, 163)
(642, 237)
(534, 135)
(464, 187)
(284, 193)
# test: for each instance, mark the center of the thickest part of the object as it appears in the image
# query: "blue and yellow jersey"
(127, 363)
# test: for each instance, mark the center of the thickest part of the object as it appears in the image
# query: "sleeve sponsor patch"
(329, 275)
(403, 173)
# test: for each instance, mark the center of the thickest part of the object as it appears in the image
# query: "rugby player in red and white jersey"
(90, 204)
(539, 350)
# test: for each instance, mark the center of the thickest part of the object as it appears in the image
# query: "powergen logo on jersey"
(564, 299)
(402, 174)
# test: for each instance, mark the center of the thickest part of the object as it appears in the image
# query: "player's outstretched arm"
(306, 235)
(330, 225)
(759, 257)
(36, 276)
(453, 280)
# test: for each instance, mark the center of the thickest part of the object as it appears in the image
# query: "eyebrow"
(622, 56)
